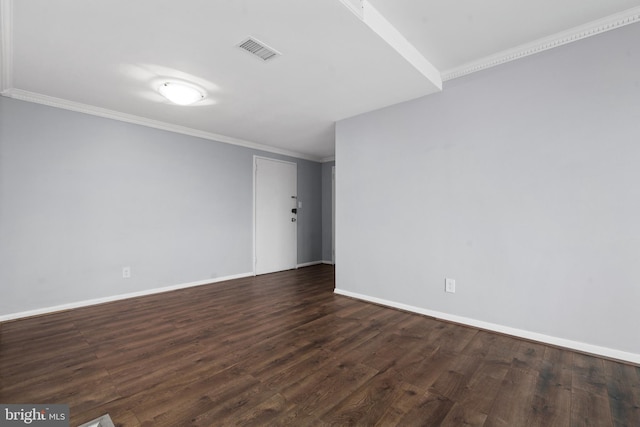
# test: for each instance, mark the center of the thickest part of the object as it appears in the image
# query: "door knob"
(293, 220)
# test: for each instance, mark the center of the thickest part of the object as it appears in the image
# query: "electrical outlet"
(126, 272)
(450, 286)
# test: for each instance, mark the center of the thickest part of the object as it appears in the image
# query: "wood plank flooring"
(282, 349)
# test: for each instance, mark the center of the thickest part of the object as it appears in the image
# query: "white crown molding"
(51, 101)
(611, 22)
(328, 159)
(7, 89)
(6, 75)
(507, 330)
(6, 45)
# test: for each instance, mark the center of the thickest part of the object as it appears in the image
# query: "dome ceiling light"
(180, 93)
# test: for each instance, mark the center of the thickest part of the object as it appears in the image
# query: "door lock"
(293, 220)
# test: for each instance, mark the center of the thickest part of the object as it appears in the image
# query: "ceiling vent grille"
(258, 49)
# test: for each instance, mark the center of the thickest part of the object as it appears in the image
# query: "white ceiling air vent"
(259, 49)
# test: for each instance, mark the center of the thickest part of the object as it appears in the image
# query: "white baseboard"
(534, 336)
(85, 303)
(308, 264)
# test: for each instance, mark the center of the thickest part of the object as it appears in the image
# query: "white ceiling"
(108, 57)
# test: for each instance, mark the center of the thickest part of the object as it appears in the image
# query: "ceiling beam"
(6, 45)
(368, 14)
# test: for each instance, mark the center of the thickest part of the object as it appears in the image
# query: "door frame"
(255, 183)
(333, 215)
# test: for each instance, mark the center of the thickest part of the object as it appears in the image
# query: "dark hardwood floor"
(282, 349)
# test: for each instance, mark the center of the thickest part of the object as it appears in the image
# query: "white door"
(275, 215)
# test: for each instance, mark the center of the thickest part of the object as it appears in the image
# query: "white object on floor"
(103, 421)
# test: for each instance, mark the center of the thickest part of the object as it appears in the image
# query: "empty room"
(327, 212)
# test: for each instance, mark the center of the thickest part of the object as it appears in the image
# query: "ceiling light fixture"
(180, 93)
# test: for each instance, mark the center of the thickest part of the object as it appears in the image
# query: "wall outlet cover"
(450, 285)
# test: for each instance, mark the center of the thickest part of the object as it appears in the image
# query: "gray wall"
(310, 215)
(327, 203)
(82, 196)
(522, 182)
